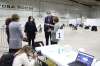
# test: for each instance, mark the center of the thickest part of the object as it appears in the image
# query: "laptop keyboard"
(77, 63)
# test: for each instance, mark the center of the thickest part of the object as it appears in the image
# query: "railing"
(3, 40)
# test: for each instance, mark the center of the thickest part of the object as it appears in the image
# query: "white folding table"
(61, 55)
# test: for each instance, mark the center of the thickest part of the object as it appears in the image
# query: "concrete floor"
(86, 39)
(80, 38)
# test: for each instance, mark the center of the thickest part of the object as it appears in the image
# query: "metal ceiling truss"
(80, 3)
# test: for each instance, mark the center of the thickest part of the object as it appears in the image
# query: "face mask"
(49, 14)
(31, 19)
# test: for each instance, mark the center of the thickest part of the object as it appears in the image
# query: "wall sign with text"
(8, 6)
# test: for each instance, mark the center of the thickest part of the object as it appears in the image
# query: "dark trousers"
(47, 36)
(31, 38)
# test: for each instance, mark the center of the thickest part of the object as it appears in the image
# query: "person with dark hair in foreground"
(25, 57)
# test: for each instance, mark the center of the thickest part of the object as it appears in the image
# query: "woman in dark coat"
(30, 31)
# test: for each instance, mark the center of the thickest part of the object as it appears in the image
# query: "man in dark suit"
(47, 27)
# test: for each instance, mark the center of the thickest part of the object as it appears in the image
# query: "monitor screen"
(85, 58)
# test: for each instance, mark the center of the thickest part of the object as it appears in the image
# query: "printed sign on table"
(60, 34)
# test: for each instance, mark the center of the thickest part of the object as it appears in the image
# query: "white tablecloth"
(61, 55)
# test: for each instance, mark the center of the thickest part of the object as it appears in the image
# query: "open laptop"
(82, 59)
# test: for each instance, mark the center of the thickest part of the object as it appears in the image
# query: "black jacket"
(48, 20)
(30, 27)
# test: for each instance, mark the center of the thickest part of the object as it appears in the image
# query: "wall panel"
(40, 7)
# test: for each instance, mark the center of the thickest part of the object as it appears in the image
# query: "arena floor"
(80, 38)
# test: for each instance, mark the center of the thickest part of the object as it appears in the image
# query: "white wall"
(95, 14)
(58, 8)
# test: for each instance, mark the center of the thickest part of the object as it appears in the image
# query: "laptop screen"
(85, 58)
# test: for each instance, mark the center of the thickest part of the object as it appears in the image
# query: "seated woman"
(25, 57)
